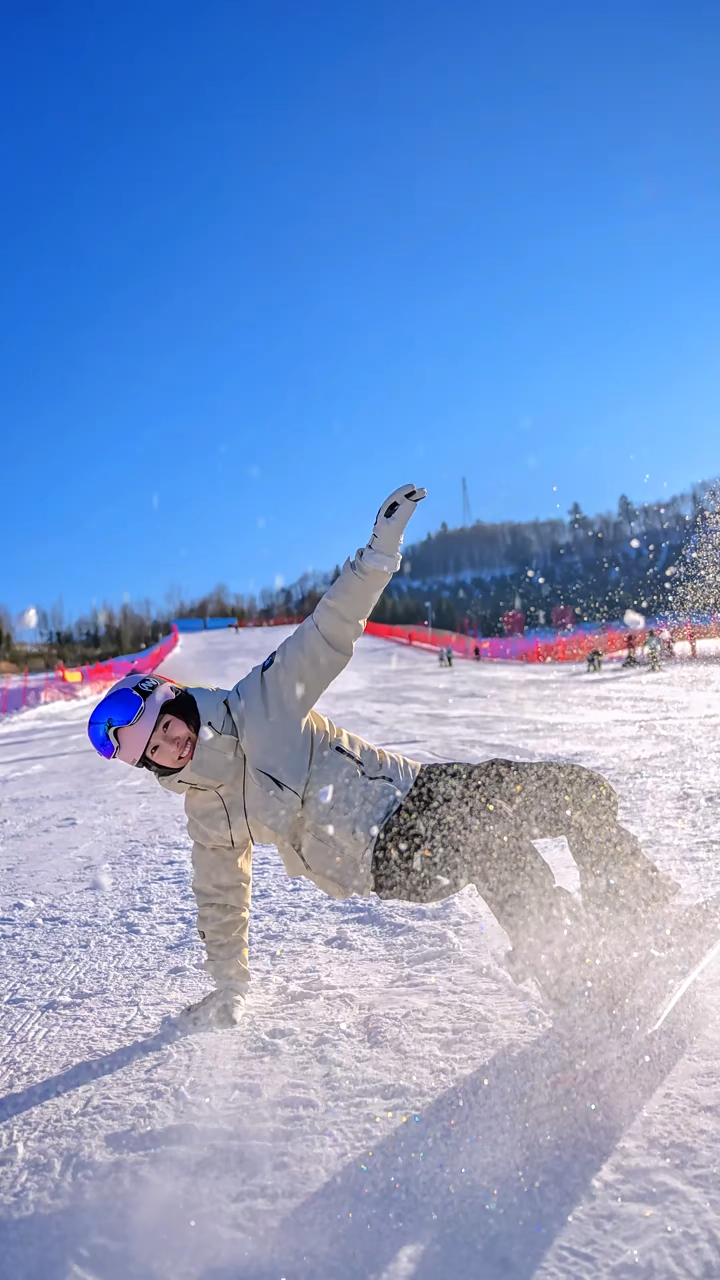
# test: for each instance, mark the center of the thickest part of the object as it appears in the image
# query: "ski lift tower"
(467, 514)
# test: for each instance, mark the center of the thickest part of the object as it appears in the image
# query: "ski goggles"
(133, 705)
(120, 709)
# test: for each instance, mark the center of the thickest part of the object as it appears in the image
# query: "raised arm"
(292, 679)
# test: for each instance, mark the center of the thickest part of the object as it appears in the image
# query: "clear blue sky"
(259, 262)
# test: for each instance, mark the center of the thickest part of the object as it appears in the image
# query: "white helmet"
(133, 704)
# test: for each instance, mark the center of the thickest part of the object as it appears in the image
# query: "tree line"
(102, 634)
(657, 558)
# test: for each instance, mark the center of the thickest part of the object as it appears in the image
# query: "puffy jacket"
(269, 769)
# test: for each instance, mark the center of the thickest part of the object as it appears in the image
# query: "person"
(476, 653)
(631, 658)
(449, 656)
(442, 656)
(653, 646)
(692, 639)
(257, 763)
(668, 642)
(594, 660)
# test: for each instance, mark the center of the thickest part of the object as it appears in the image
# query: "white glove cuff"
(380, 560)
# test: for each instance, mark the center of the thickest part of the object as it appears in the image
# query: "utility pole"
(467, 514)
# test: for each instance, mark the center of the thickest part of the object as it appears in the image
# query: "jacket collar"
(214, 762)
(215, 758)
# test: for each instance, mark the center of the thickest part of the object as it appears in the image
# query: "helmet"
(134, 704)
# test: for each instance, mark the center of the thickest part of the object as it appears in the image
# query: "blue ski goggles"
(121, 707)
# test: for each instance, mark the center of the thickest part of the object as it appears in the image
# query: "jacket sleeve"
(222, 884)
(292, 679)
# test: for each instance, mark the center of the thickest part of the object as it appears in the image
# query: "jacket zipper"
(282, 785)
(380, 777)
(299, 853)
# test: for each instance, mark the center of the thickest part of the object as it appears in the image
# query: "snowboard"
(640, 986)
(687, 985)
(627, 1046)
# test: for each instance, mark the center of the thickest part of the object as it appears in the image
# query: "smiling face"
(172, 743)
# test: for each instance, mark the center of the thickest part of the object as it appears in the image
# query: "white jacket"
(268, 769)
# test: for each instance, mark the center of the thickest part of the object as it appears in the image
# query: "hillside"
(643, 557)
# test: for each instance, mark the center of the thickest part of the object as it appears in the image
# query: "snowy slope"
(393, 1105)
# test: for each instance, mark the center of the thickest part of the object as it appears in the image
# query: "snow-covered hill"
(392, 1106)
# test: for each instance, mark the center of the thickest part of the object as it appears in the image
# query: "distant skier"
(692, 639)
(441, 655)
(594, 660)
(653, 646)
(449, 656)
(256, 764)
(668, 643)
(631, 658)
(476, 653)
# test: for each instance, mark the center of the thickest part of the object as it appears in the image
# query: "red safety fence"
(572, 647)
(31, 689)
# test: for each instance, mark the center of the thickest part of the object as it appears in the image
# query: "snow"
(392, 1106)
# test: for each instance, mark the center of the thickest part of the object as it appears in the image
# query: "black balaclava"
(185, 708)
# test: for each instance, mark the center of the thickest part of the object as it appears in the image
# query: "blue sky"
(261, 262)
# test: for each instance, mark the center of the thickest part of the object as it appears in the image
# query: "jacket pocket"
(208, 815)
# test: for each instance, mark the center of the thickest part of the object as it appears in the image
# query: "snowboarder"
(256, 763)
(653, 646)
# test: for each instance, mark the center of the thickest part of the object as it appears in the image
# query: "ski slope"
(391, 1107)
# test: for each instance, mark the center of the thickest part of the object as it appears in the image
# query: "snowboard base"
(686, 985)
(631, 992)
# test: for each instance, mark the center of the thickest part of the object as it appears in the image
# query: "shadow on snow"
(499, 1163)
(485, 1178)
(14, 1104)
